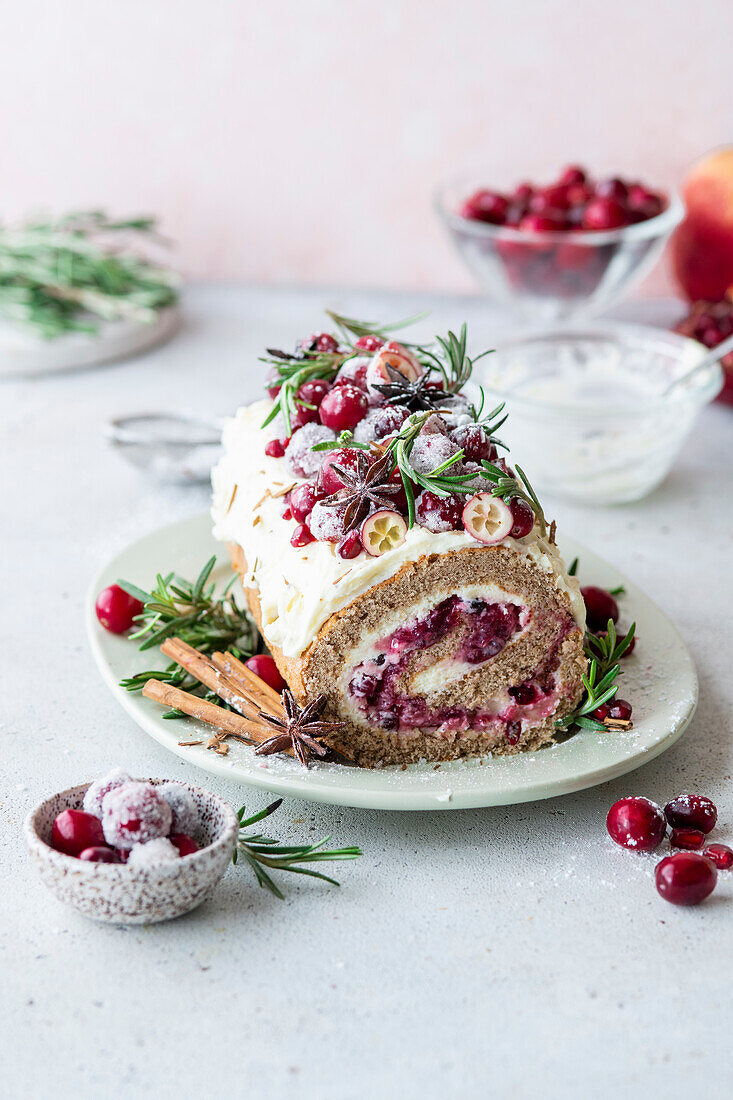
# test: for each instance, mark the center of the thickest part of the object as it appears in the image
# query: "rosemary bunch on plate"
(192, 612)
(599, 682)
(264, 854)
(56, 276)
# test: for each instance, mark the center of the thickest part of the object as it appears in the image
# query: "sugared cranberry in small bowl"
(571, 245)
(96, 879)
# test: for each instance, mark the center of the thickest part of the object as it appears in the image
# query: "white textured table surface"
(479, 953)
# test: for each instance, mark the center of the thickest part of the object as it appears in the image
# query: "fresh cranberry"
(541, 223)
(523, 518)
(264, 666)
(343, 407)
(687, 838)
(75, 830)
(351, 546)
(619, 708)
(604, 213)
(692, 811)
(573, 174)
(613, 188)
(301, 536)
(439, 513)
(185, 844)
(642, 201)
(523, 192)
(473, 441)
(313, 392)
(721, 855)
(302, 416)
(302, 499)
(600, 606)
(321, 342)
(273, 383)
(369, 343)
(486, 206)
(276, 448)
(686, 878)
(116, 609)
(347, 458)
(636, 823)
(549, 200)
(601, 713)
(100, 853)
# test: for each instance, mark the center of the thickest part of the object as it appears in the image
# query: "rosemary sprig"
(292, 371)
(345, 440)
(350, 327)
(506, 486)
(55, 274)
(452, 361)
(438, 481)
(604, 654)
(263, 852)
(190, 611)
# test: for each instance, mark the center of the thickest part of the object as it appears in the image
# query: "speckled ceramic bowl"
(118, 894)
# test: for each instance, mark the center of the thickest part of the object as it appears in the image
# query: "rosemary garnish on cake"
(507, 486)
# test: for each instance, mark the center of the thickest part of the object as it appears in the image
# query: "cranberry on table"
(100, 854)
(600, 606)
(636, 823)
(116, 609)
(264, 666)
(343, 407)
(301, 536)
(75, 830)
(185, 844)
(721, 855)
(523, 517)
(691, 839)
(302, 499)
(604, 213)
(276, 448)
(686, 878)
(693, 811)
(313, 392)
(369, 343)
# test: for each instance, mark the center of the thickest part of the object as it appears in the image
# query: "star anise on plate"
(299, 730)
(366, 486)
(417, 395)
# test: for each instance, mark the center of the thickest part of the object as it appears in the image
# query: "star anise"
(366, 486)
(300, 729)
(416, 395)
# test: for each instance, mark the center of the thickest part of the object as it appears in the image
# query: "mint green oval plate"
(659, 679)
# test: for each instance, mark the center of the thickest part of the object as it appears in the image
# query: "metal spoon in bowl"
(171, 446)
(708, 360)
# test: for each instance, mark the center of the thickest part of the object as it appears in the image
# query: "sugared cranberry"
(185, 817)
(692, 811)
(691, 839)
(600, 606)
(485, 206)
(75, 830)
(636, 823)
(264, 666)
(343, 407)
(439, 513)
(185, 844)
(116, 609)
(302, 499)
(620, 709)
(313, 392)
(573, 174)
(320, 342)
(350, 547)
(100, 853)
(473, 441)
(721, 855)
(134, 814)
(276, 448)
(523, 518)
(301, 416)
(686, 878)
(604, 213)
(347, 458)
(369, 343)
(301, 536)
(100, 788)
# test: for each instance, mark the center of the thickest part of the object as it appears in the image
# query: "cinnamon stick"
(206, 672)
(215, 716)
(252, 687)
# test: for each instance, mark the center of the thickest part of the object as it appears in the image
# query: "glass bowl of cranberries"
(588, 410)
(563, 250)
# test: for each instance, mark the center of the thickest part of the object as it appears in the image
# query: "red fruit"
(276, 448)
(329, 481)
(604, 213)
(350, 547)
(523, 192)
(686, 878)
(643, 202)
(687, 838)
(485, 206)
(313, 392)
(301, 536)
(343, 407)
(320, 341)
(264, 666)
(574, 257)
(286, 512)
(721, 855)
(369, 343)
(302, 416)
(573, 174)
(549, 200)
(542, 223)
(185, 844)
(613, 188)
(600, 606)
(100, 853)
(619, 708)
(523, 518)
(636, 823)
(692, 811)
(273, 383)
(439, 513)
(74, 830)
(600, 713)
(579, 194)
(116, 609)
(474, 442)
(302, 499)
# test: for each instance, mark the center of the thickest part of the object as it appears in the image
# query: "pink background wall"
(300, 141)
